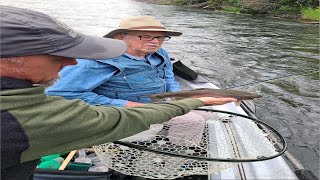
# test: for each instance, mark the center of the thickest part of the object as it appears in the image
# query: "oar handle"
(67, 160)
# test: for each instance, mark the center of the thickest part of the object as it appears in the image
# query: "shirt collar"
(8, 83)
(134, 57)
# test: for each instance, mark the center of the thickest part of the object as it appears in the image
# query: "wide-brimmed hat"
(141, 23)
(27, 32)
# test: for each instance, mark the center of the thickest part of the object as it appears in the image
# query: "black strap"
(183, 71)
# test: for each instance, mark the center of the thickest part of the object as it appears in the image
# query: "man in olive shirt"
(34, 48)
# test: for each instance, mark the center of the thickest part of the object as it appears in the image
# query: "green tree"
(299, 3)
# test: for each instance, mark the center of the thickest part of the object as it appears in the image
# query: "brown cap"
(141, 23)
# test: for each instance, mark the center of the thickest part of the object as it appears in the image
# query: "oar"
(67, 160)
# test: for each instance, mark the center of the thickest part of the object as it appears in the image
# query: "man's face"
(141, 43)
(44, 69)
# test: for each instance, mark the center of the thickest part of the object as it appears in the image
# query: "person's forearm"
(78, 126)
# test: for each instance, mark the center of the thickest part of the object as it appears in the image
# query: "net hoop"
(280, 149)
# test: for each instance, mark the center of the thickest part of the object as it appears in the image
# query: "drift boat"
(280, 164)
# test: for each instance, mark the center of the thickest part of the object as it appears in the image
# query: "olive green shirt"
(55, 125)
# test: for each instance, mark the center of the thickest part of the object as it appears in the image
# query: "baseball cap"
(27, 32)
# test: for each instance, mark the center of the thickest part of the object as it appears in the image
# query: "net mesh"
(198, 143)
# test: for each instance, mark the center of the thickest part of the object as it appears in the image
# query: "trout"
(205, 92)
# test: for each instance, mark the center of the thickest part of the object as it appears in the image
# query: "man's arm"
(55, 125)
(66, 125)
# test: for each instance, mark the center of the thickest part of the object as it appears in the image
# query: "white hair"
(11, 66)
(19, 61)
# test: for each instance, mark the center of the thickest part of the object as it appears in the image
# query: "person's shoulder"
(90, 63)
(116, 59)
(86, 61)
(162, 51)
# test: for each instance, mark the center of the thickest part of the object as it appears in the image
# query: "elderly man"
(144, 69)
(34, 48)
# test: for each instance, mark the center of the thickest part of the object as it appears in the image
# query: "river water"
(230, 50)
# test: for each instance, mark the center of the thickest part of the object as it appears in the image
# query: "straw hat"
(141, 23)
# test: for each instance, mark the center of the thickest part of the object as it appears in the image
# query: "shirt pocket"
(141, 81)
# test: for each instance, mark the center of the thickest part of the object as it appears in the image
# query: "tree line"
(301, 9)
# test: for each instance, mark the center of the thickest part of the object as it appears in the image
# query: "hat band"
(147, 27)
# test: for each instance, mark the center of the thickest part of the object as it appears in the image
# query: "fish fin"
(155, 99)
(178, 98)
(170, 99)
(238, 102)
(201, 89)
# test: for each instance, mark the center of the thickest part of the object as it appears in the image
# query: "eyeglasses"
(150, 38)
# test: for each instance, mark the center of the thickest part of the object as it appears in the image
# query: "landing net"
(197, 143)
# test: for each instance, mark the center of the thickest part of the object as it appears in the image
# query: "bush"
(185, 2)
(298, 3)
(231, 9)
(287, 10)
(311, 14)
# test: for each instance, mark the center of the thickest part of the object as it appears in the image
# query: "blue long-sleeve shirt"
(82, 80)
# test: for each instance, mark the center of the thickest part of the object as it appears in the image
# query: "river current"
(279, 58)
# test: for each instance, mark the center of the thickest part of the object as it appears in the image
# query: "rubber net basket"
(197, 143)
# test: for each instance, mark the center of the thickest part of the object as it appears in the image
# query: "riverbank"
(276, 13)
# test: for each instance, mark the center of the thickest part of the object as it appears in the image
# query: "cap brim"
(93, 47)
(118, 31)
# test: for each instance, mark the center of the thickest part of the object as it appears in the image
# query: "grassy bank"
(311, 14)
(279, 8)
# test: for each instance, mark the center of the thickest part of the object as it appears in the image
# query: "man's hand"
(216, 101)
(131, 103)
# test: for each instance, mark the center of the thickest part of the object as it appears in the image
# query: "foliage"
(309, 9)
(179, 2)
(231, 9)
(187, 2)
(209, 2)
(286, 3)
(298, 3)
(217, 3)
(311, 14)
(196, 1)
(286, 10)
